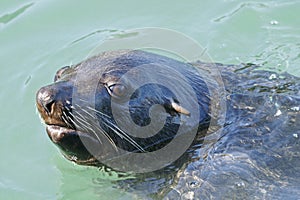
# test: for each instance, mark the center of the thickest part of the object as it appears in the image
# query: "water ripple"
(6, 18)
(240, 7)
(94, 33)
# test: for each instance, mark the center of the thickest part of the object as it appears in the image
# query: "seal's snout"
(45, 99)
(53, 101)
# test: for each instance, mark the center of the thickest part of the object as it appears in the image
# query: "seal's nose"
(45, 99)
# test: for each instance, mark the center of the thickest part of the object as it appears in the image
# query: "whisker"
(80, 120)
(112, 142)
(90, 128)
(83, 100)
(91, 115)
(124, 135)
(67, 120)
(97, 126)
(97, 111)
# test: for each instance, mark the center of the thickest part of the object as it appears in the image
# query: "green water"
(38, 37)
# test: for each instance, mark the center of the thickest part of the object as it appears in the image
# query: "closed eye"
(117, 90)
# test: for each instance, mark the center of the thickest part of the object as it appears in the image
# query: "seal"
(71, 124)
(256, 151)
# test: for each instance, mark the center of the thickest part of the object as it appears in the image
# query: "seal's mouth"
(61, 135)
(70, 142)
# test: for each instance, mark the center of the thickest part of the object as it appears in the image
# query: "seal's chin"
(72, 143)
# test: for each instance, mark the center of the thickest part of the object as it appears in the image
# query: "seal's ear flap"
(179, 109)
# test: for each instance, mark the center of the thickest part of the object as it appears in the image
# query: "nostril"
(45, 99)
(48, 106)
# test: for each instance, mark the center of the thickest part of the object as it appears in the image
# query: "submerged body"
(254, 152)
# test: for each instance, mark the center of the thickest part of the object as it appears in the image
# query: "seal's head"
(99, 106)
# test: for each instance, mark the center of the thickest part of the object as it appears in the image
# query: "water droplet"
(74, 158)
(194, 184)
(240, 184)
(274, 22)
(296, 108)
(278, 113)
(272, 77)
